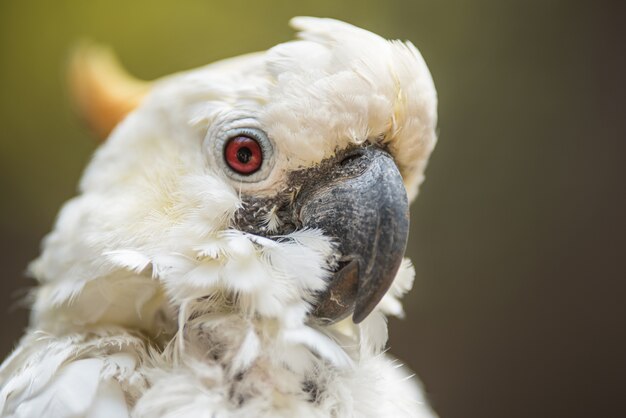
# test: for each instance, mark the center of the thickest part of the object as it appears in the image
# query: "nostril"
(351, 157)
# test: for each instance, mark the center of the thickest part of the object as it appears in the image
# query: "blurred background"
(518, 235)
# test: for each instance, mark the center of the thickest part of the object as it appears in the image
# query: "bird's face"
(291, 165)
(355, 196)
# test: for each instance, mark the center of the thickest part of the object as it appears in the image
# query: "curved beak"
(362, 204)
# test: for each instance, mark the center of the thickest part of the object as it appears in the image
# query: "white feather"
(152, 305)
(70, 394)
(109, 402)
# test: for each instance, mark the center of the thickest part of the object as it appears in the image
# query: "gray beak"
(362, 204)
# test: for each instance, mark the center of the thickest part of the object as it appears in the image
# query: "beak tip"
(373, 289)
(365, 305)
(358, 317)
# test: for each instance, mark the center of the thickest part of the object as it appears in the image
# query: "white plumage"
(151, 304)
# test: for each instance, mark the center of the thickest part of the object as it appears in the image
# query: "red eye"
(243, 154)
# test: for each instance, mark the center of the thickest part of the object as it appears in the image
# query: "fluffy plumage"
(151, 304)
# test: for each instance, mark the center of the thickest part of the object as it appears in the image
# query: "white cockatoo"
(238, 240)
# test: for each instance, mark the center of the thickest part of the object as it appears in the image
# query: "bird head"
(274, 184)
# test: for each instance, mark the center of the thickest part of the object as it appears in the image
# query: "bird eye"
(243, 154)
(240, 150)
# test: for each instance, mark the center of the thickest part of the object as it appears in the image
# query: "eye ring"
(243, 154)
(256, 151)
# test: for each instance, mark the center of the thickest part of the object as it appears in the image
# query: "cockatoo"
(237, 241)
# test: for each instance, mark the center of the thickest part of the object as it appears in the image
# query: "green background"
(518, 235)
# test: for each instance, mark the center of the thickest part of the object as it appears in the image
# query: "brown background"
(518, 235)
